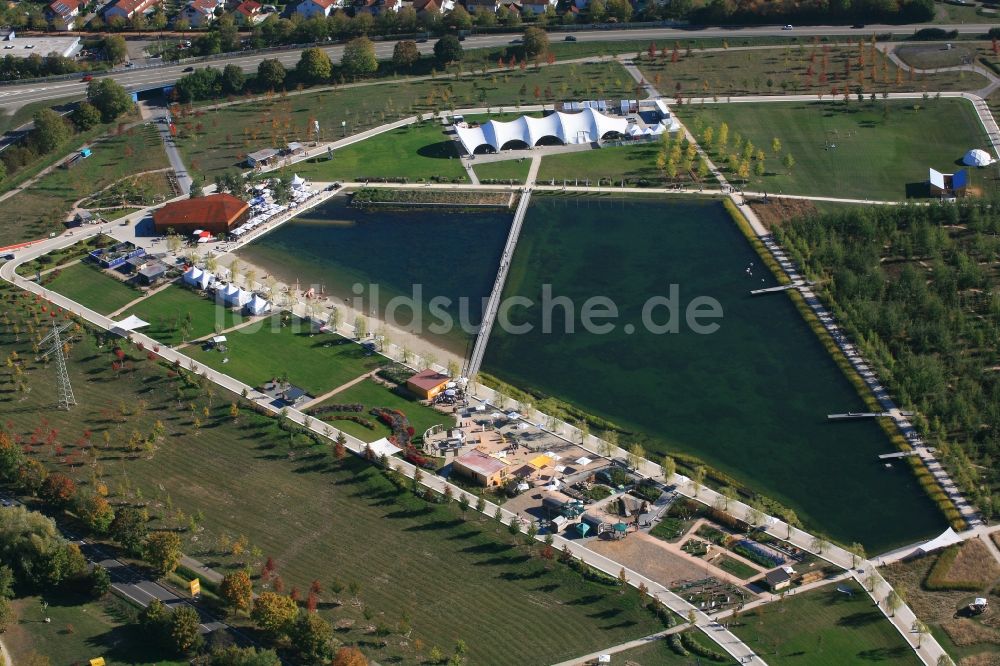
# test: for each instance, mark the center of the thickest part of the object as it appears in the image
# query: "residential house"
(248, 12)
(377, 7)
(199, 13)
(440, 6)
(537, 6)
(311, 8)
(63, 14)
(126, 9)
(490, 6)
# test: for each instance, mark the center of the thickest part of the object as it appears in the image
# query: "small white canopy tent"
(383, 447)
(127, 325)
(977, 158)
(192, 276)
(298, 181)
(258, 305)
(131, 323)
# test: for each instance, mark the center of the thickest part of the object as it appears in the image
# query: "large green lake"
(750, 399)
(451, 255)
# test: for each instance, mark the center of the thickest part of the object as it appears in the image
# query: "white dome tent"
(977, 158)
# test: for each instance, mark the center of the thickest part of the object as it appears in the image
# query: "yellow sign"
(195, 589)
(97, 662)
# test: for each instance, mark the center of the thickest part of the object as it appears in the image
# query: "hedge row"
(692, 644)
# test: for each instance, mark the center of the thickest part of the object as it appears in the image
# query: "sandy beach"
(320, 307)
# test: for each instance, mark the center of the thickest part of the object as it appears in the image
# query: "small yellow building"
(482, 468)
(427, 384)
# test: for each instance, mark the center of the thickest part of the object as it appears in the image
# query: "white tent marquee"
(298, 181)
(569, 128)
(131, 323)
(258, 305)
(977, 158)
(198, 278)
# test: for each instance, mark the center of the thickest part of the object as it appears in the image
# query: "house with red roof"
(311, 8)
(248, 12)
(126, 9)
(199, 13)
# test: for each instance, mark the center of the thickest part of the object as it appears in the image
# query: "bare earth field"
(648, 556)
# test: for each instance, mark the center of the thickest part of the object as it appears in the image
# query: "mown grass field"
(220, 139)
(42, 207)
(275, 348)
(80, 629)
(414, 152)
(338, 522)
(177, 314)
(823, 627)
(86, 284)
(372, 394)
(504, 170)
(878, 150)
(786, 70)
(633, 163)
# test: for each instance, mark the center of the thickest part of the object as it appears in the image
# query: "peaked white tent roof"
(383, 446)
(298, 181)
(193, 275)
(131, 323)
(258, 305)
(947, 538)
(584, 127)
(977, 158)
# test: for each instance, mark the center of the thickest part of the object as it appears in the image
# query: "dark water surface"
(448, 254)
(750, 399)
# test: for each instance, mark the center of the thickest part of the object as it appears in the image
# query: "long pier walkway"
(493, 304)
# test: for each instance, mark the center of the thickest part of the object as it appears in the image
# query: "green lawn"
(504, 170)
(337, 522)
(221, 139)
(415, 152)
(22, 115)
(177, 314)
(80, 629)
(631, 162)
(371, 395)
(316, 362)
(882, 150)
(823, 627)
(735, 567)
(42, 207)
(86, 284)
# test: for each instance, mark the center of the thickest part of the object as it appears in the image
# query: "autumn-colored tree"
(349, 656)
(58, 488)
(274, 613)
(163, 551)
(237, 590)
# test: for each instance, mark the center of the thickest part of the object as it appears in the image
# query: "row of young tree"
(915, 288)
(106, 102)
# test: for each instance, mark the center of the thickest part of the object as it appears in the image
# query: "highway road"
(15, 96)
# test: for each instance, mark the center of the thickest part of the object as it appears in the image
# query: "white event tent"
(569, 128)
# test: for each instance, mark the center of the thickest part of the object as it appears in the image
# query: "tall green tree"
(110, 98)
(536, 42)
(184, 634)
(162, 551)
(314, 66)
(50, 130)
(448, 49)
(270, 74)
(233, 79)
(115, 49)
(359, 59)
